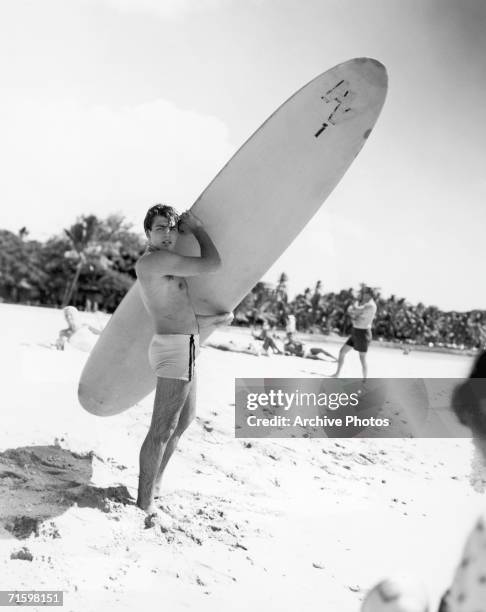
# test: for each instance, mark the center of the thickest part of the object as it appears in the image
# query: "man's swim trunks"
(359, 339)
(174, 355)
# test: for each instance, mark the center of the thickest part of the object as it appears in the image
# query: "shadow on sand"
(39, 483)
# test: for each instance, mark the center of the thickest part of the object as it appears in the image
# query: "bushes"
(93, 261)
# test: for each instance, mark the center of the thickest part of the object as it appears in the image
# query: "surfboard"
(253, 209)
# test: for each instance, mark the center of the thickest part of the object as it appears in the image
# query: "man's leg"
(186, 417)
(170, 397)
(273, 346)
(315, 351)
(364, 364)
(342, 354)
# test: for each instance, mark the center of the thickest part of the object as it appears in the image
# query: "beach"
(284, 523)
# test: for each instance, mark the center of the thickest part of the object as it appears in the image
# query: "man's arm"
(209, 252)
(166, 262)
(363, 307)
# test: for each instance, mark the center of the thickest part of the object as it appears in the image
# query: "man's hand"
(188, 222)
(214, 320)
(227, 318)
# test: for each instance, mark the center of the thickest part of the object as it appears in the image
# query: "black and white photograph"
(242, 308)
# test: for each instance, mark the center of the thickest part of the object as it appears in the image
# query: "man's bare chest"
(174, 283)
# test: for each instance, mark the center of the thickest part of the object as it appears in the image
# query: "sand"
(250, 524)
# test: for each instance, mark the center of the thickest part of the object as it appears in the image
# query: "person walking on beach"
(362, 314)
(174, 347)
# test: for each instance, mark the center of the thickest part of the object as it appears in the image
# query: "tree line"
(91, 265)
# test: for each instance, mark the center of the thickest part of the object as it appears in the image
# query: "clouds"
(93, 93)
(63, 158)
(165, 9)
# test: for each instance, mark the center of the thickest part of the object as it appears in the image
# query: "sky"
(112, 105)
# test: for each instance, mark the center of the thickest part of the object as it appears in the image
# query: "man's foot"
(155, 516)
(145, 507)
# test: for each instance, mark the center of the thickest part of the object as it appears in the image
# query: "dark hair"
(468, 400)
(162, 210)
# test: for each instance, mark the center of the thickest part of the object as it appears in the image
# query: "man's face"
(163, 235)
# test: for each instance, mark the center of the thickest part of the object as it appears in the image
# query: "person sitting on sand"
(467, 592)
(268, 341)
(71, 314)
(299, 349)
(362, 314)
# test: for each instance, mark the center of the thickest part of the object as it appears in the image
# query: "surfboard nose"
(373, 71)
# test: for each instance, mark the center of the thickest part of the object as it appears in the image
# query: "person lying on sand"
(71, 314)
(467, 592)
(234, 346)
(299, 349)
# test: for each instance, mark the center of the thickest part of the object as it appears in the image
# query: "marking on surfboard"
(340, 96)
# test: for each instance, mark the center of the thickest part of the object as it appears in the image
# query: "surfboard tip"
(374, 71)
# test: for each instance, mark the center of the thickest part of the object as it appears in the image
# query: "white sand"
(286, 524)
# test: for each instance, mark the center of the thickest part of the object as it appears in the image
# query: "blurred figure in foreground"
(467, 592)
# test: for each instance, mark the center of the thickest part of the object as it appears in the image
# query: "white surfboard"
(254, 208)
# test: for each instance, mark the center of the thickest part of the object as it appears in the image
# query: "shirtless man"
(172, 353)
(362, 314)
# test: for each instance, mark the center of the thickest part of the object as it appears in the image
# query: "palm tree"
(23, 233)
(86, 248)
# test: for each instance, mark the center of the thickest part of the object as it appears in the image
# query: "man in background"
(362, 314)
